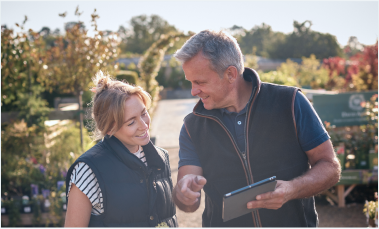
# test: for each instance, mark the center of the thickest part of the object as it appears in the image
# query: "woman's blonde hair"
(108, 103)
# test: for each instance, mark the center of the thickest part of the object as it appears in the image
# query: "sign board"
(343, 109)
(350, 177)
(358, 176)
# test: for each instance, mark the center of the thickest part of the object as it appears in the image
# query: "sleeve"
(310, 130)
(84, 178)
(187, 151)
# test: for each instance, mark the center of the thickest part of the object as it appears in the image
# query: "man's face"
(206, 83)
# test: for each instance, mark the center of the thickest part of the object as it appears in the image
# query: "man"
(242, 131)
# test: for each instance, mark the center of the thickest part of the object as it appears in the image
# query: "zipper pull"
(244, 156)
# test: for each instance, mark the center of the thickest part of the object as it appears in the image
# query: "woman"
(124, 180)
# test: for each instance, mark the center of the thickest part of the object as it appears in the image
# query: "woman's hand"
(78, 209)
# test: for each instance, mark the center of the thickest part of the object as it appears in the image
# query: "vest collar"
(249, 75)
(153, 157)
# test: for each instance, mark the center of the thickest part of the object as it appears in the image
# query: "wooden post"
(81, 119)
(341, 196)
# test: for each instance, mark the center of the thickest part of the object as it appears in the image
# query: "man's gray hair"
(220, 48)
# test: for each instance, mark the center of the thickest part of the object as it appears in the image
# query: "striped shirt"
(84, 178)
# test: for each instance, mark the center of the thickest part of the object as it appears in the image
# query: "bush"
(129, 76)
(278, 78)
(38, 158)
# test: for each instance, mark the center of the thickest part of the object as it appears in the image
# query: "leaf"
(63, 14)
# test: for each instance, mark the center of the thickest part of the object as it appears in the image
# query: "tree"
(261, 37)
(304, 42)
(143, 32)
(358, 73)
(364, 69)
(276, 45)
(353, 47)
(48, 36)
(22, 60)
(76, 58)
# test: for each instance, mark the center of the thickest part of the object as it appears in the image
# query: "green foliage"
(87, 98)
(56, 209)
(262, 38)
(22, 59)
(21, 146)
(32, 108)
(13, 207)
(129, 76)
(275, 45)
(304, 42)
(30, 157)
(65, 149)
(251, 59)
(171, 75)
(76, 58)
(144, 31)
(309, 73)
(131, 66)
(278, 77)
(353, 47)
(37, 213)
(150, 63)
(370, 209)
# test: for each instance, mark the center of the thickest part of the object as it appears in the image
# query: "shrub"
(129, 76)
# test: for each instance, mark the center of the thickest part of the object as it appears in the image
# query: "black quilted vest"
(133, 195)
(272, 149)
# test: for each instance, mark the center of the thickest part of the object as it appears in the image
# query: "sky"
(339, 18)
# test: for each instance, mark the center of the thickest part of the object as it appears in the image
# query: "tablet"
(234, 203)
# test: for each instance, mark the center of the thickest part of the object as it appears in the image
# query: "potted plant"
(371, 211)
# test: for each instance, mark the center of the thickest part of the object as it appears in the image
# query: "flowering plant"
(370, 209)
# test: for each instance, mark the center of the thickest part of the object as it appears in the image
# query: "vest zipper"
(239, 153)
(244, 161)
(251, 181)
(255, 212)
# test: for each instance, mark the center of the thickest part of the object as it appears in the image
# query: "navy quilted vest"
(272, 149)
(133, 195)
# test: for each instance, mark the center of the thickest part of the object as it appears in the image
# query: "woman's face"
(135, 130)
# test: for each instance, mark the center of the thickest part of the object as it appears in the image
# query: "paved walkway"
(168, 120)
(165, 127)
